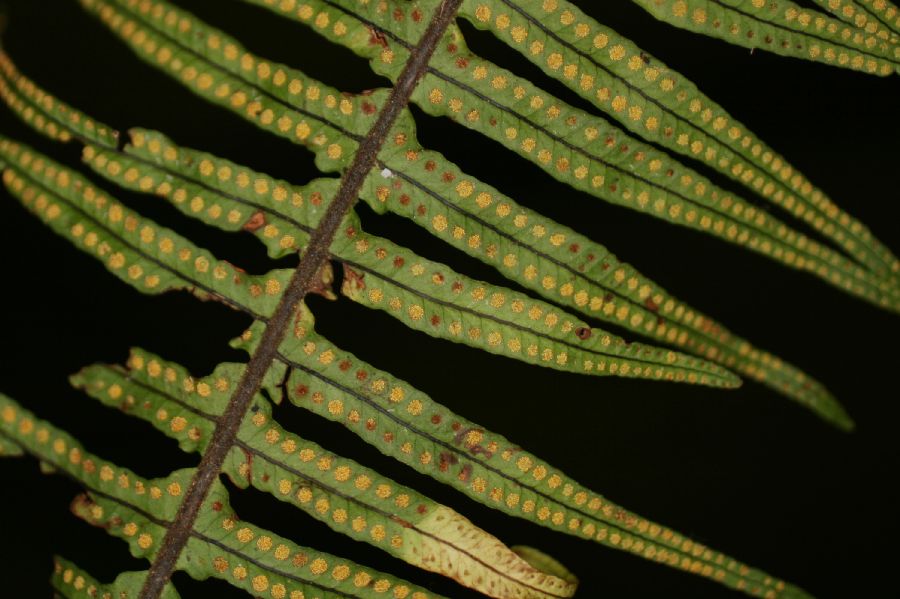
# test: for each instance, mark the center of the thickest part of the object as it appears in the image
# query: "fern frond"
(343, 494)
(635, 303)
(184, 521)
(8, 449)
(784, 28)
(408, 425)
(139, 510)
(217, 68)
(63, 216)
(47, 114)
(423, 294)
(790, 381)
(71, 582)
(392, 416)
(861, 15)
(248, 557)
(886, 12)
(651, 100)
(151, 258)
(154, 260)
(536, 252)
(588, 154)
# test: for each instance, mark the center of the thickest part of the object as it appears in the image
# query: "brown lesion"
(257, 220)
(354, 282)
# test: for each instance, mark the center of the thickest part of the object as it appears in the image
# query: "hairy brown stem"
(301, 282)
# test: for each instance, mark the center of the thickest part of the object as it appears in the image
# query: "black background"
(746, 471)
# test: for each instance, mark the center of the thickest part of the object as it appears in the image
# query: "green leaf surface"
(406, 424)
(659, 104)
(232, 197)
(348, 497)
(861, 15)
(886, 12)
(590, 155)
(550, 259)
(555, 342)
(151, 258)
(783, 27)
(71, 582)
(279, 216)
(45, 113)
(222, 545)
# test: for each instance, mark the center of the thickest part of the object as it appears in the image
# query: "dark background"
(746, 471)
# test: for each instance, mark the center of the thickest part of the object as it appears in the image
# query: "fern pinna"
(560, 281)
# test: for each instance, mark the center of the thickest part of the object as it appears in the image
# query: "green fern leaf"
(784, 28)
(154, 260)
(136, 250)
(886, 12)
(72, 582)
(184, 521)
(737, 353)
(233, 197)
(536, 252)
(138, 510)
(588, 154)
(409, 426)
(228, 189)
(348, 497)
(651, 100)
(860, 14)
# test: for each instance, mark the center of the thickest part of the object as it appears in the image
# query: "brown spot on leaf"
(376, 37)
(249, 464)
(401, 521)
(354, 282)
(255, 222)
(446, 460)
